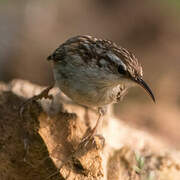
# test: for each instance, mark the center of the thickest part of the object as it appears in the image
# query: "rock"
(42, 140)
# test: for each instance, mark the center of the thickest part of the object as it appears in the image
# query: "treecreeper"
(95, 73)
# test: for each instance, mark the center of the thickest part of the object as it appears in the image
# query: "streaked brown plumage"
(89, 47)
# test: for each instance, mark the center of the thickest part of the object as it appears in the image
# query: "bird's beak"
(143, 84)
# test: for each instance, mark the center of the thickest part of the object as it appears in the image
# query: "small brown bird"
(95, 72)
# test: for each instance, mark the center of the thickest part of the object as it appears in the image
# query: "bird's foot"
(90, 138)
(43, 94)
(89, 135)
(25, 106)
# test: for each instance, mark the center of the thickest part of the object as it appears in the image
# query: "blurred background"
(31, 29)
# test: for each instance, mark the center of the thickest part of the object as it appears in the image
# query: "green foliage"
(139, 168)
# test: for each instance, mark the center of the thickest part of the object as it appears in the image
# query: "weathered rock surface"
(43, 142)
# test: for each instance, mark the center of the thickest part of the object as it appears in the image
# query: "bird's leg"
(102, 112)
(24, 106)
(43, 94)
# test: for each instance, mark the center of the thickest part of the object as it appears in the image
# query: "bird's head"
(131, 70)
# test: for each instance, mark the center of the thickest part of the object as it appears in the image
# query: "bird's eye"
(121, 69)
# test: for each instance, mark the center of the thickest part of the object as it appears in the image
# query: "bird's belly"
(85, 94)
(83, 89)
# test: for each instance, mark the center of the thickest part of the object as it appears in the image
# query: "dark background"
(31, 29)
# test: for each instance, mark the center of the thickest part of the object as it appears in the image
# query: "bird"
(95, 73)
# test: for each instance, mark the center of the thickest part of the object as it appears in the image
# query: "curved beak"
(143, 84)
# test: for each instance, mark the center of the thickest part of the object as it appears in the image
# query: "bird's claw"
(90, 138)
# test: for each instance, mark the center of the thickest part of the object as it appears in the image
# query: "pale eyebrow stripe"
(116, 59)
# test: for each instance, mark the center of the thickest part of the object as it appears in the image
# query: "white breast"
(84, 84)
(86, 92)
